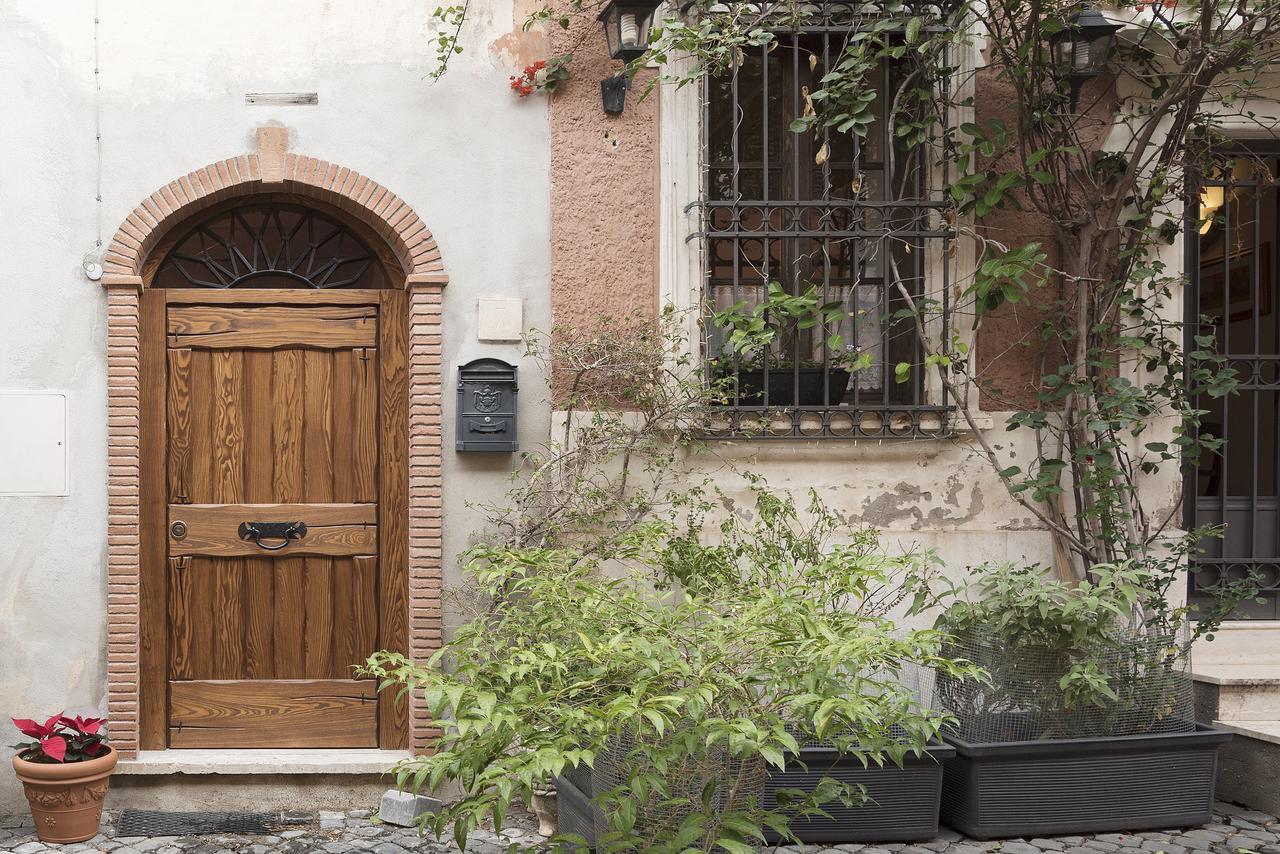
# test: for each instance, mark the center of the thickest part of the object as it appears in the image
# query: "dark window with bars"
(1235, 259)
(856, 219)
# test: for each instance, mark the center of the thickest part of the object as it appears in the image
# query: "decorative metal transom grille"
(857, 219)
(1235, 297)
(270, 245)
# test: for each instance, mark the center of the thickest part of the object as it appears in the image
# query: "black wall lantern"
(626, 30)
(1081, 50)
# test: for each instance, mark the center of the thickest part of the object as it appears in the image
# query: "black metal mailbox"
(487, 406)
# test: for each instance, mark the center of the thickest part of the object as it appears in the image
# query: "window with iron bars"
(849, 220)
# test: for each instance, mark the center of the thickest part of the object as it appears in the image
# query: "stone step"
(1240, 642)
(1238, 692)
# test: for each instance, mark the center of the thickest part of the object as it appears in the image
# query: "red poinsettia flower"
(29, 727)
(61, 738)
(87, 726)
(55, 747)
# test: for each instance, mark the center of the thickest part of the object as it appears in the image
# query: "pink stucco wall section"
(604, 182)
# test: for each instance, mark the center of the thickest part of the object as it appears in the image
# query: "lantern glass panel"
(626, 27)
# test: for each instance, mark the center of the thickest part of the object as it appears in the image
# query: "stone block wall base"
(1247, 774)
(247, 792)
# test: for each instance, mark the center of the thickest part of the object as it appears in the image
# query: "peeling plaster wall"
(938, 495)
(470, 158)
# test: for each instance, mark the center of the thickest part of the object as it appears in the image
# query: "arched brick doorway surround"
(270, 169)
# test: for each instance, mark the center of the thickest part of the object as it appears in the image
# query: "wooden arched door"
(274, 533)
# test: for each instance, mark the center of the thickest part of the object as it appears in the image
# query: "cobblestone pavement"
(1234, 831)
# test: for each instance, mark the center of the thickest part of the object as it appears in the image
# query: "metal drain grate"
(153, 823)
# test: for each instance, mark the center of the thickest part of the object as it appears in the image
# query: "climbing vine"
(1114, 417)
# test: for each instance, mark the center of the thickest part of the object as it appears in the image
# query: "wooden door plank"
(320, 540)
(319, 515)
(270, 296)
(251, 713)
(364, 435)
(271, 327)
(200, 392)
(317, 427)
(288, 572)
(198, 576)
(184, 611)
(153, 592)
(332, 529)
(179, 424)
(227, 441)
(355, 611)
(342, 392)
(319, 608)
(393, 495)
(259, 462)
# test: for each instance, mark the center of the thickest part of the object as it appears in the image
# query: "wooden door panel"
(332, 529)
(317, 619)
(251, 713)
(274, 414)
(271, 327)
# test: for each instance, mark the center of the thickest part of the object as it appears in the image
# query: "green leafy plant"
(1062, 658)
(782, 318)
(677, 660)
(1114, 415)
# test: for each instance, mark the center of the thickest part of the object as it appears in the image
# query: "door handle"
(282, 531)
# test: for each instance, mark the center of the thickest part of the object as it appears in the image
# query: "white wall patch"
(33, 443)
(500, 319)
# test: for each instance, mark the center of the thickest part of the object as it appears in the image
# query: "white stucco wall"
(470, 158)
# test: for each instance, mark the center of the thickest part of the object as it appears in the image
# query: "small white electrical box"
(33, 443)
(500, 319)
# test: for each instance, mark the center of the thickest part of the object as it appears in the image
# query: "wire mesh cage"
(709, 781)
(1125, 683)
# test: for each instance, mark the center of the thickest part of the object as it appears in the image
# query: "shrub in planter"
(1086, 722)
(64, 772)
(771, 334)
(667, 686)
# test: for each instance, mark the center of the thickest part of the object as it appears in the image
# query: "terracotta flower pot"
(66, 798)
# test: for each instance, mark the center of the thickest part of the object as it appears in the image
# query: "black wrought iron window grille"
(855, 220)
(1233, 297)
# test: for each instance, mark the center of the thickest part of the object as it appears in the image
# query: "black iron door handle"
(282, 531)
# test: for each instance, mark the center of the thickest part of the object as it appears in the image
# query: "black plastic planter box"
(784, 385)
(1078, 785)
(903, 803)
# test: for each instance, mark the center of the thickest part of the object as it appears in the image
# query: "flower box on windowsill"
(784, 384)
(1081, 785)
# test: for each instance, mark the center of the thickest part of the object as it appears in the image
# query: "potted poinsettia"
(64, 770)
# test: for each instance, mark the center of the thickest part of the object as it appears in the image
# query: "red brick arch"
(424, 279)
(367, 200)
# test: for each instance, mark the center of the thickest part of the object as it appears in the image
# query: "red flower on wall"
(527, 81)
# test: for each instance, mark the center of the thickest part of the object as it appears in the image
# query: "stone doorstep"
(262, 761)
